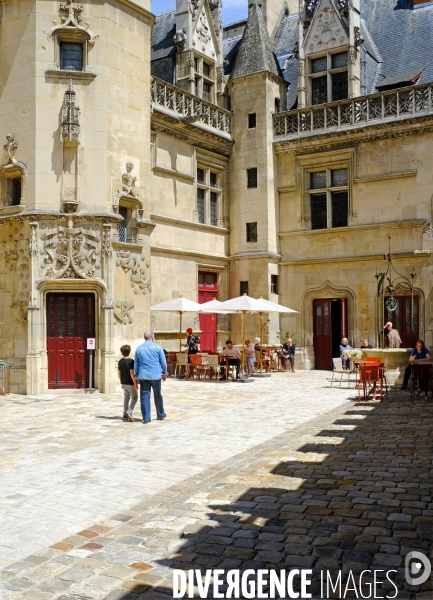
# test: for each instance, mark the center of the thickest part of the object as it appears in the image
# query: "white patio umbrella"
(178, 305)
(272, 307)
(244, 304)
(213, 307)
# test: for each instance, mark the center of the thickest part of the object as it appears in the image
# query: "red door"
(207, 291)
(322, 333)
(70, 321)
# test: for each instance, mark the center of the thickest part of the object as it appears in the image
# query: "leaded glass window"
(318, 211)
(16, 191)
(318, 180)
(340, 88)
(213, 209)
(123, 227)
(319, 90)
(71, 56)
(208, 196)
(330, 207)
(328, 76)
(339, 209)
(200, 205)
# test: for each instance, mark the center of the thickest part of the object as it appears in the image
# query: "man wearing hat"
(192, 342)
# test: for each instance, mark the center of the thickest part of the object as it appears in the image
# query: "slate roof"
(256, 51)
(398, 40)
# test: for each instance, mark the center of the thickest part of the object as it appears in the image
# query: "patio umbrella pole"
(242, 379)
(180, 331)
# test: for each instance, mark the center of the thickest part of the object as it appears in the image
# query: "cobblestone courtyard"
(283, 472)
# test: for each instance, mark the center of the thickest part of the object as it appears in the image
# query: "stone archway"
(324, 291)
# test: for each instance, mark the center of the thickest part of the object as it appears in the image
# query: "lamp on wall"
(387, 283)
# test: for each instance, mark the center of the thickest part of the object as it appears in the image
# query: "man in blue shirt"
(418, 353)
(150, 367)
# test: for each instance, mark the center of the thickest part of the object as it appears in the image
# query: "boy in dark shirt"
(128, 382)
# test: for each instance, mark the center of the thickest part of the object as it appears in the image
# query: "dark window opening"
(318, 180)
(16, 191)
(207, 92)
(274, 284)
(195, 64)
(252, 178)
(251, 232)
(340, 86)
(213, 179)
(319, 64)
(277, 105)
(340, 205)
(252, 121)
(320, 90)
(213, 209)
(71, 56)
(200, 176)
(339, 60)
(318, 211)
(243, 288)
(206, 69)
(197, 86)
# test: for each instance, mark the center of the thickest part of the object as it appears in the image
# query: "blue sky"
(233, 10)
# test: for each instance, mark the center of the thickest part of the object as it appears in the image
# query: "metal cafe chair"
(197, 366)
(338, 370)
(421, 377)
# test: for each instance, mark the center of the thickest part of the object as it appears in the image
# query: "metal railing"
(387, 106)
(194, 109)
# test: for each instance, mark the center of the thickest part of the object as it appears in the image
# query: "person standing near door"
(192, 342)
(150, 368)
(392, 336)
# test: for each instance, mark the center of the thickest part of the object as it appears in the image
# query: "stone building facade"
(150, 157)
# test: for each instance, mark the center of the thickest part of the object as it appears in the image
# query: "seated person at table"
(234, 355)
(345, 346)
(365, 345)
(288, 353)
(266, 359)
(250, 355)
(418, 353)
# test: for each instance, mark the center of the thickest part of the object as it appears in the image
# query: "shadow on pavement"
(359, 503)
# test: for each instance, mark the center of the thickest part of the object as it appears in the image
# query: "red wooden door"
(322, 331)
(70, 321)
(207, 291)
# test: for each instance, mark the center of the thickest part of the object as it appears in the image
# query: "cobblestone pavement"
(280, 473)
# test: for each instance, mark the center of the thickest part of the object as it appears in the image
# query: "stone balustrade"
(355, 113)
(190, 109)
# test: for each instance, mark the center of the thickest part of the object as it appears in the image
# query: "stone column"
(104, 366)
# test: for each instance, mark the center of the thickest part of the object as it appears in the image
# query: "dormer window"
(329, 78)
(71, 56)
(204, 79)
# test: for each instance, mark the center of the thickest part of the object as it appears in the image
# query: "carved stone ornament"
(138, 269)
(220, 75)
(72, 22)
(352, 55)
(128, 185)
(194, 5)
(123, 311)
(70, 129)
(203, 31)
(11, 147)
(71, 253)
(190, 61)
(327, 30)
(359, 40)
(180, 39)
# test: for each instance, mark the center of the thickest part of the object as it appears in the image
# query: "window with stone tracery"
(328, 78)
(329, 198)
(208, 196)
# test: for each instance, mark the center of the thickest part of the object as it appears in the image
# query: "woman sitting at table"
(345, 346)
(266, 359)
(418, 353)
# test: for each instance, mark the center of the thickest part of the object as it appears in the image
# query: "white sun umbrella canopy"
(244, 304)
(178, 305)
(279, 308)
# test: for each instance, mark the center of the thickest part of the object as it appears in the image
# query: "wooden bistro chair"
(370, 377)
(197, 366)
(338, 370)
(421, 377)
(181, 363)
